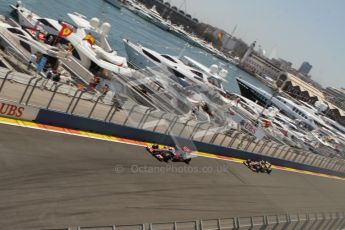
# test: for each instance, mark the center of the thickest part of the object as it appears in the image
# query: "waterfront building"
(305, 68)
(258, 64)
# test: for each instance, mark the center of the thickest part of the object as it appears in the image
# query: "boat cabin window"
(94, 68)
(215, 81)
(151, 56)
(76, 54)
(15, 31)
(199, 78)
(196, 72)
(25, 46)
(177, 73)
(46, 23)
(169, 58)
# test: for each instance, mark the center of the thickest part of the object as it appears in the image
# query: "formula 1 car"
(167, 154)
(258, 166)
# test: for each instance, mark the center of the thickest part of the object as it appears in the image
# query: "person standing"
(33, 60)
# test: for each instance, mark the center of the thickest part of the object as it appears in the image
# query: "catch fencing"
(69, 99)
(332, 221)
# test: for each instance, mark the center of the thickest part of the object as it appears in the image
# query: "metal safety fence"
(331, 221)
(68, 98)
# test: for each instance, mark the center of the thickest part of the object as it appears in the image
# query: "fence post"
(251, 222)
(26, 89)
(282, 150)
(257, 143)
(94, 106)
(250, 140)
(219, 224)
(76, 103)
(52, 97)
(266, 221)
(32, 90)
(201, 225)
(238, 224)
(111, 108)
(214, 137)
(263, 146)
(269, 149)
(205, 134)
(195, 128)
(233, 139)
(70, 104)
(144, 118)
(175, 225)
(240, 144)
(159, 120)
(129, 114)
(186, 124)
(5, 79)
(221, 143)
(113, 227)
(172, 124)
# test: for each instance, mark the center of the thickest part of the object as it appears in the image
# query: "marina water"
(126, 25)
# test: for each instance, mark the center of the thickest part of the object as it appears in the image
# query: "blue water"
(127, 25)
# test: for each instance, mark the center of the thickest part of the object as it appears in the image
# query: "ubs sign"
(15, 110)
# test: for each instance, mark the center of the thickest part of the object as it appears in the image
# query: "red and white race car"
(167, 154)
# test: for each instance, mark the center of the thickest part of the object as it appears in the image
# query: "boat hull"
(252, 94)
(136, 58)
(115, 3)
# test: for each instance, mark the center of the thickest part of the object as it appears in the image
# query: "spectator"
(49, 74)
(49, 39)
(47, 67)
(33, 60)
(94, 82)
(105, 90)
(56, 78)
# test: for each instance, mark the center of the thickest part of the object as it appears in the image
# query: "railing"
(277, 222)
(69, 99)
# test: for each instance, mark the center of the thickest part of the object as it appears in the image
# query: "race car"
(162, 154)
(258, 166)
(167, 154)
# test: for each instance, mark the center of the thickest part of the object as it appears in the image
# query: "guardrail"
(332, 221)
(70, 100)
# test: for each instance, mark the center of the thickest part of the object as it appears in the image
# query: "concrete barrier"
(17, 111)
(85, 124)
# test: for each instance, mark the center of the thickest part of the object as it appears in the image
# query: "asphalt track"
(50, 180)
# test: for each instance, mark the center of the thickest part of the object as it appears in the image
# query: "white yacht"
(214, 75)
(157, 19)
(287, 107)
(116, 3)
(94, 57)
(22, 42)
(141, 58)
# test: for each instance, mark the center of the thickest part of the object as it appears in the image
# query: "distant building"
(175, 15)
(283, 64)
(335, 93)
(259, 64)
(305, 68)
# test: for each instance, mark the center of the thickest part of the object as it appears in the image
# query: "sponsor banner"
(246, 125)
(17, 111)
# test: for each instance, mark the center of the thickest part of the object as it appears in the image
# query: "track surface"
(51, 180)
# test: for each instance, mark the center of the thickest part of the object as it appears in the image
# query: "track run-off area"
(53, 177)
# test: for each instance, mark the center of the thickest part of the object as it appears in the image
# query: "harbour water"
(126, 25)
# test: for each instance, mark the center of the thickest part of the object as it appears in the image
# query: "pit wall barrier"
(268, 222)
(26, 90)
(85, 124)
